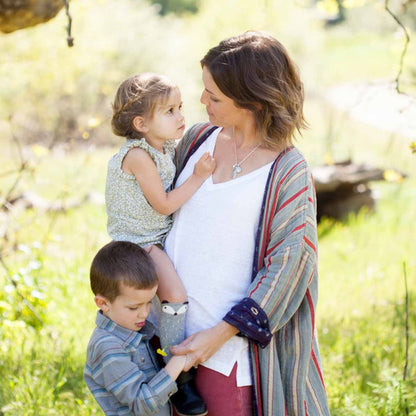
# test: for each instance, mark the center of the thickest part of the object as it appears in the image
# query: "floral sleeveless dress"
(130, 216)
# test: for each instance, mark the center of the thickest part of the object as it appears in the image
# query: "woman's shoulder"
(290, 169)
(291, 161)
(195, 131)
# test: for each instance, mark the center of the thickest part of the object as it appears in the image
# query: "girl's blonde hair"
(138, 96)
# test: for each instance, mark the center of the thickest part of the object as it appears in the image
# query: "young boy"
(121, 368)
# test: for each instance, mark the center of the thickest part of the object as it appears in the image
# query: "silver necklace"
(237, 166)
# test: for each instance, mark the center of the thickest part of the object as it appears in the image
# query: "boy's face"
(130, 308)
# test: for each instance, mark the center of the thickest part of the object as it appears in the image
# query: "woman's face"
(221, 109)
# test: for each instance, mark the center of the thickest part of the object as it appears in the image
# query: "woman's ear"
(102, 303)
(139, 123)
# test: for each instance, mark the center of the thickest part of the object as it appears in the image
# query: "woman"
(245, 244)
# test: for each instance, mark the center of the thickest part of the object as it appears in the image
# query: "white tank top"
(212, 245)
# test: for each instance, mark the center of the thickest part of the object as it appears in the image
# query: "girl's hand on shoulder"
(205, 166)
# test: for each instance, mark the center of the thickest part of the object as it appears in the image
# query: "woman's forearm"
(225, 331)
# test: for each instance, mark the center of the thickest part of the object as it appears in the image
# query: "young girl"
(147, 111)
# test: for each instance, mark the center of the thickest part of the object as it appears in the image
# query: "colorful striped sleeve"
(290, 252)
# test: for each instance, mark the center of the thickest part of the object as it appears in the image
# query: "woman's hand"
(204, 344)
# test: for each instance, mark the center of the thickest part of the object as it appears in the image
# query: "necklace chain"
(237, 166)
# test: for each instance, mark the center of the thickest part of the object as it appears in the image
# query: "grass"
(360, 313)
(362, 309)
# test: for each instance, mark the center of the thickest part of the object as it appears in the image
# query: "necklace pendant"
(236, 170)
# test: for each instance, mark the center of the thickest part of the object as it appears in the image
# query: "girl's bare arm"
(138, 163)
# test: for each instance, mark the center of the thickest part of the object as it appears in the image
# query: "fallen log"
(343, 187)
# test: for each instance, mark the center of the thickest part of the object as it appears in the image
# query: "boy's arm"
(176, 365)
(114, 371)
(141, 165)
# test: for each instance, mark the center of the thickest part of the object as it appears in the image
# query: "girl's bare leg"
(170, 287)
(172, 295)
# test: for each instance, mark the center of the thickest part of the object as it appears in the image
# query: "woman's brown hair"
(255, 71)
(138, 96)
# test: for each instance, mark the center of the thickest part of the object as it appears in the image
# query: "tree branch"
(406, 43)
(69, 39)
(23, 166)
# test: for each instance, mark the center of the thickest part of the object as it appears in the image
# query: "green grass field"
(361, 313)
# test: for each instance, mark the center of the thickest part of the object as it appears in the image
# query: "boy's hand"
(205, 166)
(176, 365)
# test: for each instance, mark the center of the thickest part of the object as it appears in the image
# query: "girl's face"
(167, 121)
(221, 109)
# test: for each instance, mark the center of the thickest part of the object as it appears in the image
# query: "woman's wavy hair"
(255, 71)
(138, 95)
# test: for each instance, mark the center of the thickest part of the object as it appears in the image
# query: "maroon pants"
(221, 394)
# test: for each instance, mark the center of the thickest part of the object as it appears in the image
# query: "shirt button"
(254, 310)
(142, 359)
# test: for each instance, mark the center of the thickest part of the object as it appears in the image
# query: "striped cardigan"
(278, 314)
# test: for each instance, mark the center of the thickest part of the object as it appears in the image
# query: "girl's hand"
(202, 345)
(205, 166)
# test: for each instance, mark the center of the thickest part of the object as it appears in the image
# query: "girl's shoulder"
(137, 143)
(143, 145)
(131, 144)
(130, 152)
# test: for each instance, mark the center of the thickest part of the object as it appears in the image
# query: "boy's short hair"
(121, 262)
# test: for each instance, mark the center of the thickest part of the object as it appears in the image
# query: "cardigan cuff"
(251, 320)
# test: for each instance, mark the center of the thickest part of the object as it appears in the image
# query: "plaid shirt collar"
(133, 338)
